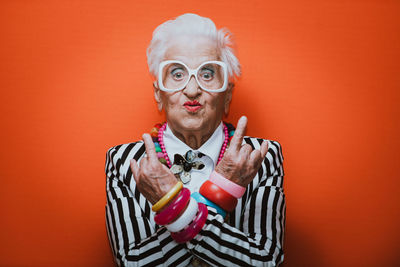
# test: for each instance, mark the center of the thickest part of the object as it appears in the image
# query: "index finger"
(237, 138)
(150, 148)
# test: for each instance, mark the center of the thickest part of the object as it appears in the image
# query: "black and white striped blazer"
(252, 236)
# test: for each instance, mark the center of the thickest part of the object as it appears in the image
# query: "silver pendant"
(180, 173)
(176, 169)
(185, 177)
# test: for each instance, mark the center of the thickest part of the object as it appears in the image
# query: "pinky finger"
(135, 169)
(264, 148)
(256, 158)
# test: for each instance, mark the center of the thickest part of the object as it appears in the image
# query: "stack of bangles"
(184, 215)
(221, 192)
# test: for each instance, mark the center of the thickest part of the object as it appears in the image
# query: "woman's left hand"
(240, 162)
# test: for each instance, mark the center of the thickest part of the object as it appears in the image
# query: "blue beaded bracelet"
(199, 198)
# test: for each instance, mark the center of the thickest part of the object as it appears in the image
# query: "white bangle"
(186, 217)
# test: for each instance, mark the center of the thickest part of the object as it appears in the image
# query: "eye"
(177, 73)
(207, 74)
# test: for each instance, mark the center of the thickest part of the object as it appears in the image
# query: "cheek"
(170, 101)
(218, 102)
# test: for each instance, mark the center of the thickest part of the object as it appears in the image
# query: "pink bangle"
(174, 209)
(194, 228)
(226, 184)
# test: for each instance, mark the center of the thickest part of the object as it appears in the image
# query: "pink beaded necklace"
(159, 132)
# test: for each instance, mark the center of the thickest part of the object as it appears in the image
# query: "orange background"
(322, 77)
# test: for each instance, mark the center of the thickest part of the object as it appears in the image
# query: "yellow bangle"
(167, 197)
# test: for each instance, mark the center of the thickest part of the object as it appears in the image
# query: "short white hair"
(191, 24)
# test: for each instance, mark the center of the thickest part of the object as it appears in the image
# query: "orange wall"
(322, 77)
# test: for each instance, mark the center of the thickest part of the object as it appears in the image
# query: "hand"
(240, 162)
(153, 179)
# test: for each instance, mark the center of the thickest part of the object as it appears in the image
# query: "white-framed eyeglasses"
(211, 76)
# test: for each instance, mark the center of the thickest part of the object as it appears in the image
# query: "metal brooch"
(184, 164)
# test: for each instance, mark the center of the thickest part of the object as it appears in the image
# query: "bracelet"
(172, 211)
(194, 228)
(167, 197)
(217, 195)
(233, 188)
(186, 217)
(199, 198)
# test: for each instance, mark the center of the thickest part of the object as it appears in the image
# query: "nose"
(192, 89)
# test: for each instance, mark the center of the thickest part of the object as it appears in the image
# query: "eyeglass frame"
(193, 72)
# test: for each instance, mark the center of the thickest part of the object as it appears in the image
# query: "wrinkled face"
(193, 109)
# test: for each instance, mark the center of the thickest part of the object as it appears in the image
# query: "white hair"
(191, 24)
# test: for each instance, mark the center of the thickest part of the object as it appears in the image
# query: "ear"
(228, 98)
(157, 96)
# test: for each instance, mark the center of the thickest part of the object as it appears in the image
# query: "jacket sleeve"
(133, 239)
(254, 233)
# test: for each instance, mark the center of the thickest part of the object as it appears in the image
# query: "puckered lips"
(192, 106)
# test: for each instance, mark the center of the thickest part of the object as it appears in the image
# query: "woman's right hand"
(240, 162)
(153, 179)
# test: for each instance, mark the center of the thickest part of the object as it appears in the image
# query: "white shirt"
(211, 149)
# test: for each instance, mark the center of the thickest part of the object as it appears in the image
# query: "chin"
(194, 124)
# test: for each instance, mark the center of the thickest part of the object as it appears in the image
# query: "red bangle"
(217, 195)
(227, 185)
(194, 228)
(174, 209)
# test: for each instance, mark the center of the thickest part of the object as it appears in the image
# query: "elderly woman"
(195, 191)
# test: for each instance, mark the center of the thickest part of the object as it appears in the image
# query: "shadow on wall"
(300, 250)
(393, 257)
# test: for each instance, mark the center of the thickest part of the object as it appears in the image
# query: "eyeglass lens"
(209, 76)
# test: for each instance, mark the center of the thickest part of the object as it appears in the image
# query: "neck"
(194, 139)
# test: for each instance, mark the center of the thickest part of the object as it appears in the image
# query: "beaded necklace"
(157, 133)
